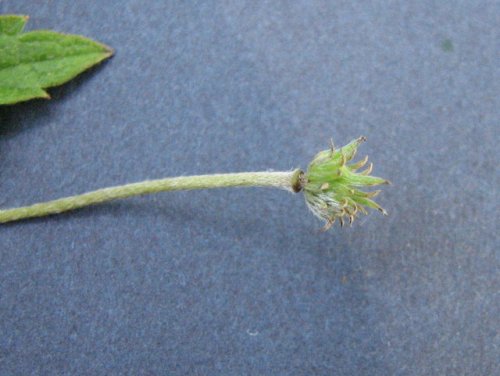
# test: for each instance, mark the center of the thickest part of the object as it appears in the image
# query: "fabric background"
(236, 282)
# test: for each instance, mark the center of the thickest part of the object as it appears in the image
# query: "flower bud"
(332, 185)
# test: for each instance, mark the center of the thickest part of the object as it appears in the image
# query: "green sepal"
(333, 184)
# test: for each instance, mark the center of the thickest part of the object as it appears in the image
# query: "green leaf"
(33, 61)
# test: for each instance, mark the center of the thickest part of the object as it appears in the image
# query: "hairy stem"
(290, 181)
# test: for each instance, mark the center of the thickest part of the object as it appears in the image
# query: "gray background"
(240, 281)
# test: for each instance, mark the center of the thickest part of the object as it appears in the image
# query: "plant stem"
(290, 180)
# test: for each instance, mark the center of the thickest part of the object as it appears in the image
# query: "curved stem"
(285, 180)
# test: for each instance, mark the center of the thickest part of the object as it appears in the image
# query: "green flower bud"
(332, 185)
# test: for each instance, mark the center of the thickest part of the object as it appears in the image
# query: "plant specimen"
(332, 188)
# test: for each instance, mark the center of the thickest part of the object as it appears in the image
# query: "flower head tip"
(332, 185)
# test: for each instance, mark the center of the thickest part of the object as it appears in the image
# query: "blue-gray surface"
(240, 281)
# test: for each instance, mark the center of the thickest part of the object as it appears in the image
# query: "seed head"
(332, 185)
